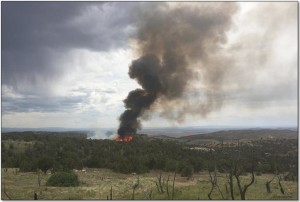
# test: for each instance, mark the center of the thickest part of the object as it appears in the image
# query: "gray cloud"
(36, 35)
(40, 104)
(64, 25)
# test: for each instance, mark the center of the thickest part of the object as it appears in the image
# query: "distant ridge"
(245, 134)
(225, 135)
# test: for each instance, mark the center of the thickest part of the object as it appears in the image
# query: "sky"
(65, 64)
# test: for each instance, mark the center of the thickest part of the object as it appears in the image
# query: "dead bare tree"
(167, 187)
(226, 188)
(39, 179)
(276, 174)
(157, 186)
(279, 183)
(212, 181)
(111, 193)
(6, 194)
(149, 195)
(230, 182)
(268, 186)
(243, 190)
(160, 184)
(135, 186)
(173, 191)
(238, 170)
(214, 178)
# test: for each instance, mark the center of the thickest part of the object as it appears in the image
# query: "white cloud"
(100, 78)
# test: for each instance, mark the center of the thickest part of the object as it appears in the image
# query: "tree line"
(48, 151)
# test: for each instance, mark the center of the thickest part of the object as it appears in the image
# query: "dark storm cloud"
(35, 35)
(26, 24)
(29, 25)
(39, 104)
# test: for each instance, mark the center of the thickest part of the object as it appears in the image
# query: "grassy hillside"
(95, 184)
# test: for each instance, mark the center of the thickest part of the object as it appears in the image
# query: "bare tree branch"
(111, 193)
(135, 186)
(6, 192)
(268, 186)
(279, 182)
(231, 184)
(214, 178)
(173, 191)
(237, 176)
(168, 187)
(212, 187)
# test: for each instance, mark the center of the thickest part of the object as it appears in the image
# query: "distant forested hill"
(243, 135)
(229, 135)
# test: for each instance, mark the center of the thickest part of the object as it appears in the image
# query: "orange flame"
(124, 139)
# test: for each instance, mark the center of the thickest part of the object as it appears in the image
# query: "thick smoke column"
(177, 42)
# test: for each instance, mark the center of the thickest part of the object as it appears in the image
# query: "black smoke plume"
(177, 43)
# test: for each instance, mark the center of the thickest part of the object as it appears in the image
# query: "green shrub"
(63, 179)
(45, 163)
(187, 171)
(28, 166)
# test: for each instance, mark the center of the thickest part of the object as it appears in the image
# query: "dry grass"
(96, 184)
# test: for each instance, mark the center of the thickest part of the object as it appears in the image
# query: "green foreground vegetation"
(96, 184)
(44, 164)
